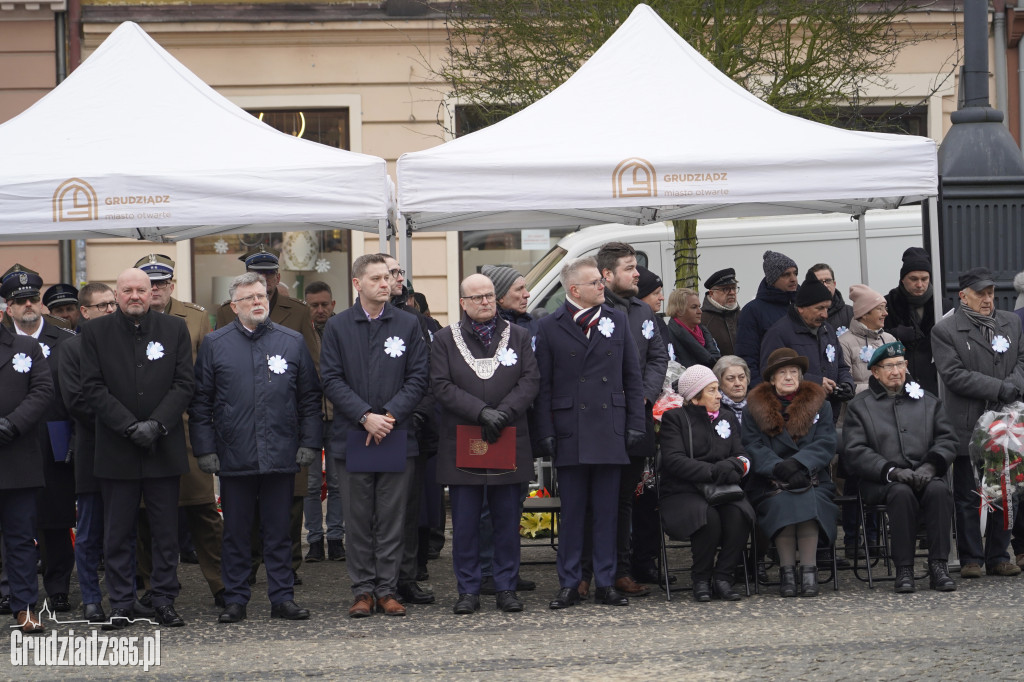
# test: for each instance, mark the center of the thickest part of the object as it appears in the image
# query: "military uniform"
(196, 497)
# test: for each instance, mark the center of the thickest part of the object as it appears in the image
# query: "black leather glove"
(904, 476)
(725, 471)
(144, 433)
(1008, 392)
(633, 437)
(800, 480)
(418, 420)
(8, 431)
(906, 333)
(491, 423)
(546, 447)
(843, 392)
(785, 469)
(923, 475)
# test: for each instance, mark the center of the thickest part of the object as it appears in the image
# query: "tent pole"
(862, 240)
(382, 234)
(405, 248)
(938, 285)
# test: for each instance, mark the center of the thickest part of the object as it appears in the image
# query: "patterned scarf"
(485, 330)
(585, 318)
(695, 331)
(986, 323)
(736, 407)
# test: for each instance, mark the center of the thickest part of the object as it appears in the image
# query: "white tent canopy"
(134, 144)
(647, 130)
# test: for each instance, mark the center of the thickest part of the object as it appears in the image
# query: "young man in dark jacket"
(774, 295)
(912, 316)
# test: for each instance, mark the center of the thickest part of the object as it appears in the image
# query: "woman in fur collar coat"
(789, 436)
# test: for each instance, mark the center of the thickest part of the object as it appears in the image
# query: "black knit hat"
(812, 291)
(648, 283)
(915, 259)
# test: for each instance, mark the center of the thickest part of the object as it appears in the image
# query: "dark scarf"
(986, 323)
(919, 301)
(696, 332)
(585, 318)
(485, 330)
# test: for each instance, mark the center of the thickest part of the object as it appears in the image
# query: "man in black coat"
(588, 413)
(721, 311)
(617, 262)
(97, 300)
(486, 375)
(774, 296)
(55, 515)
(137, 376)
(912, 316)
(375, 369)
(26, 396)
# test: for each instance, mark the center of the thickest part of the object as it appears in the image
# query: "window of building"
(215, 257)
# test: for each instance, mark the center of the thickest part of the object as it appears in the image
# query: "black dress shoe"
(509, 602)
(166, 615)
(119, 618)
(143, 606)
(566, 597)
(93, 613)
(609, 596)
(232, 613)
(725, 592)
(938, 576)
(412, 593)
(218, 599)
(316, 552)
(524, 585)
(467, 603)
(289, 610)
(60, 602)
(188, 557)
(904, 580)
(5, 605)
(336, 550)
(701, 590)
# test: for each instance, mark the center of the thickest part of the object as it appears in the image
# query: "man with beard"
(912, 316)
(196, 499)
(980, 359)
(256, 420)
(775, 294)
(137, 376)
(721, 311)
(55, 503)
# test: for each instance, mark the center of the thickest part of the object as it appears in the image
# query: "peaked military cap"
(60, 294)
(20, 282)
(260, 260)
(158, 266)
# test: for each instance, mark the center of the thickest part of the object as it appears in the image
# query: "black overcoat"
(81, 413)
(132, 373)
(461, 395)
(55, 503)
(26, 396)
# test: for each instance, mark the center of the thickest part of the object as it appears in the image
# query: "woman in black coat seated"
(691, 342)
(790, 439)
(716, 456)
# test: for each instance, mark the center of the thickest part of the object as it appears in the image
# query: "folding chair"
(544, 505)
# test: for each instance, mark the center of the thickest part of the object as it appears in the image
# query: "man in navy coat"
(590, 409)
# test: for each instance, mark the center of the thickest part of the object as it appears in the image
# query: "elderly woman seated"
(700, 445)
(790, 439)
(900, 444)
(733, 381)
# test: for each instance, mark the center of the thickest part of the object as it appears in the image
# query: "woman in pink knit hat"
(701, 444)
(865, 334)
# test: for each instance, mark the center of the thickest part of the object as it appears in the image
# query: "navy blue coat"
(26, 396)
(257, 400)
(652, 353)
(591, 390)
(756, 318)
(359, 375)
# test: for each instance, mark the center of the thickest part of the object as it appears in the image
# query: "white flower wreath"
(394, 346)
(154, 351)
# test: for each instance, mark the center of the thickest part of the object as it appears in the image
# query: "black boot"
(808, 581)
(787, 581)
(904, 580)
(938, 577)
(724, 591)
(701, 590)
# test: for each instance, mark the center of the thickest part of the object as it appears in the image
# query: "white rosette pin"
(154, 351)
(394, 346)
(865, 354)
(507, 357)
(1000, 344)
(21, 363)
(830, 352)
(723, 429)
(840, 330)
(277, 364)
(647, 329)
(914, 390)
(606, 327)
(46, 349)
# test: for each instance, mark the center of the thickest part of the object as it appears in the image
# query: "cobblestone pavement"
(855, 634)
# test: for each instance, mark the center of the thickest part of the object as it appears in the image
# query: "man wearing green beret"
(900, 445)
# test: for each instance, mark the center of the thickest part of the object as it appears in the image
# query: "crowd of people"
(121, 405)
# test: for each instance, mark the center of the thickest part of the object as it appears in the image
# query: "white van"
(740, 242)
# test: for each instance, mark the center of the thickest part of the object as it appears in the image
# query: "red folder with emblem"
(473, 452)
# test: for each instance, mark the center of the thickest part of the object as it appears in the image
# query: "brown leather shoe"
(30, 623)
(631, 588)
(1020, 559)
(362, 607)
(390, 606)
(584, 589)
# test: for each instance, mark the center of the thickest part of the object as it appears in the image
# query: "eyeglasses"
(828, 281)
(161, 284)
(259, 298)
(25, 300)
(480, 298)
(109, 305)
(727, 290)
(893, 366)
(600, 282)
(397, 272)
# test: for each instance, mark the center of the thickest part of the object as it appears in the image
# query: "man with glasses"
(137, 377)
(483, 372)
(840, 313)
(980, 360)
(256, 421)
(900, 444)
(196, 498)
(96, 300)
(55, 516)
(721, 312)
(588, 413)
